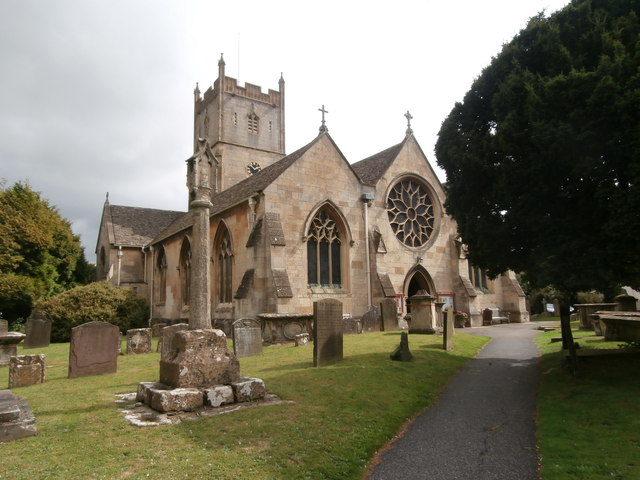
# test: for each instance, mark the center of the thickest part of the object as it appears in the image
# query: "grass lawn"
(338, 417)
(589, 424)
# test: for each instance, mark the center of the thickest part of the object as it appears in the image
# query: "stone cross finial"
(408, 117)
(323, 127)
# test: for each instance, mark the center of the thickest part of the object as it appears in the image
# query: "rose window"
(410, 212)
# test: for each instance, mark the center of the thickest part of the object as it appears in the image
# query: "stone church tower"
(243, 126)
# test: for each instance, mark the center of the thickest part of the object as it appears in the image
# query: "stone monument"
(16, 418)
(195, 362)
(448, 331)
(421, 315)
(9, 345)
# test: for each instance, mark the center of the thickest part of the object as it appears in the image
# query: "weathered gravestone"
(327, 332)
(138, 341)
(26, 370)
(247, 337)
(371, 320)
(389, 312)
(9, 345)
(4, 325)
(94, 349)
(38, 330)
(402, 352)
(16, 418)
(447, 341)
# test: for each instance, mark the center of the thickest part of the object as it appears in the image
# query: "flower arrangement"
(460, 319)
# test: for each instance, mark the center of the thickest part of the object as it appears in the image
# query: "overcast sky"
(96, 96)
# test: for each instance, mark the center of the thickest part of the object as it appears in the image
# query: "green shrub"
(99, 301)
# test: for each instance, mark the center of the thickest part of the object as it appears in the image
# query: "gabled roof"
(371, 169)
(135, 226)
(239, 192)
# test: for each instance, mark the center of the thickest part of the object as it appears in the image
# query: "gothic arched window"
(185, 271)
(161, 276)
(224, 257)
(324, 249)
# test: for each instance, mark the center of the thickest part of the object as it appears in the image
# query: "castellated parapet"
(249, 91)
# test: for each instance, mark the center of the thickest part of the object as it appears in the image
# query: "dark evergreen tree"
(543, 155)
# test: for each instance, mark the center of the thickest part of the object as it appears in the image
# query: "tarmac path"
(482, 427)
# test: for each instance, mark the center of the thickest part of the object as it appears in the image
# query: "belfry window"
(324, 251)
(253, 123)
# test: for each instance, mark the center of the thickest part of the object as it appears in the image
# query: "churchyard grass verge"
(588, 424)
(334, 420)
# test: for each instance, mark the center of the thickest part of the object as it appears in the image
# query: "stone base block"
(145, 390)
(176, 400)
(199, 359)
(248, 389)
(302, 339)
(219, 395)
(16, 418)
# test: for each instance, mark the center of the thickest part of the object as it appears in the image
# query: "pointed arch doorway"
(417, 279)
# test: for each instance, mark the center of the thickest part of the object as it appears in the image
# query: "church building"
(288, 230)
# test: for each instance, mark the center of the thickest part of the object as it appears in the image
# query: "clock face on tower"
(253, 168)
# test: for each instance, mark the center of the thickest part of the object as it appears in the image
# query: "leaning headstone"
(402, 353)
(16, 418)
(138, 341)
(94, 349)
(9, 345)
(38, 330)
(371, 320)
(166, 340)
(26, 370)
(327, 332)
(247, 337)
(447, 341)
(389, 313)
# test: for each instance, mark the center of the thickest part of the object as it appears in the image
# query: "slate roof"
(135, 226)
(371, 169)
(238, 192)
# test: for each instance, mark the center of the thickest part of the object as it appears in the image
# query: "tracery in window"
(324, 250)
(410, 211)
(185, 271)
(224, 256)
(161, 276)
(478, 278)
